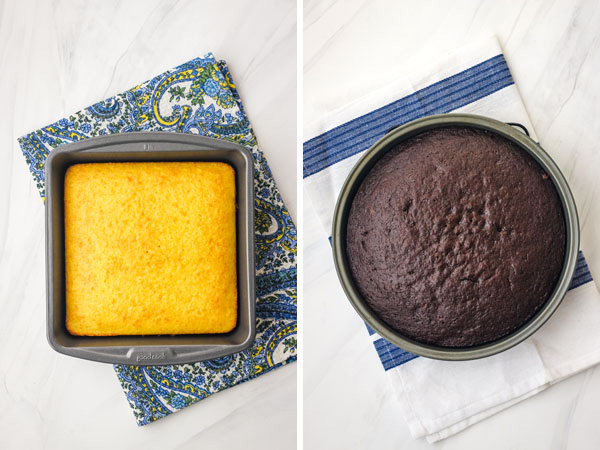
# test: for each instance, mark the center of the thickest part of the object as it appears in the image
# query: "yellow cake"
(150, 248)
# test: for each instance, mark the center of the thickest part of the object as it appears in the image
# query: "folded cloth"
(197, 97)
(440, 398)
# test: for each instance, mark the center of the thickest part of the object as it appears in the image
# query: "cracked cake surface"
(456, 237)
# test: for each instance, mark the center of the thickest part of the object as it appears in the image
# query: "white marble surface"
(55, 58)
(553, 50)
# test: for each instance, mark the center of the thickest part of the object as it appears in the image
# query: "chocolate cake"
(456, 237)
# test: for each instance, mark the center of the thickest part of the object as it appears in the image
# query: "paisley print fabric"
(196, 97)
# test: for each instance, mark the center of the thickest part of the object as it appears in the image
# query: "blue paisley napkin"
(197, 97)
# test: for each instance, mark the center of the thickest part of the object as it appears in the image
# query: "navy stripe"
(356, 144)
(363, 141)
(582, 272)
(335, 146)
(390, 355)
(405, 104)
(576, 284)
(491, 63)
(580, 277)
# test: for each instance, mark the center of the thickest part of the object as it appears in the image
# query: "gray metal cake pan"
(149, 349)
(390, 141)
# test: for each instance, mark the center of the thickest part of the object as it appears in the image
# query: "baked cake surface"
(150, 248)
(456, 237)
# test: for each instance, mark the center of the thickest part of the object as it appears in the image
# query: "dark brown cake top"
(456, 237)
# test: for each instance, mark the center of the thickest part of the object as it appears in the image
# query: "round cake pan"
(390, 141)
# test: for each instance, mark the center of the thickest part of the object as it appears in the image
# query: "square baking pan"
(149, 349)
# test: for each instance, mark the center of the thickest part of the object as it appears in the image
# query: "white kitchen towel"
(441, 398)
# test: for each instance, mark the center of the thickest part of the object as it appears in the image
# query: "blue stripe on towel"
(314, 143)
(390, 355)
(444, 96)
(582, 272)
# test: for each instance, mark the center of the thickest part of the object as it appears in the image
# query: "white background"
(56, 58)
(350, 47)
